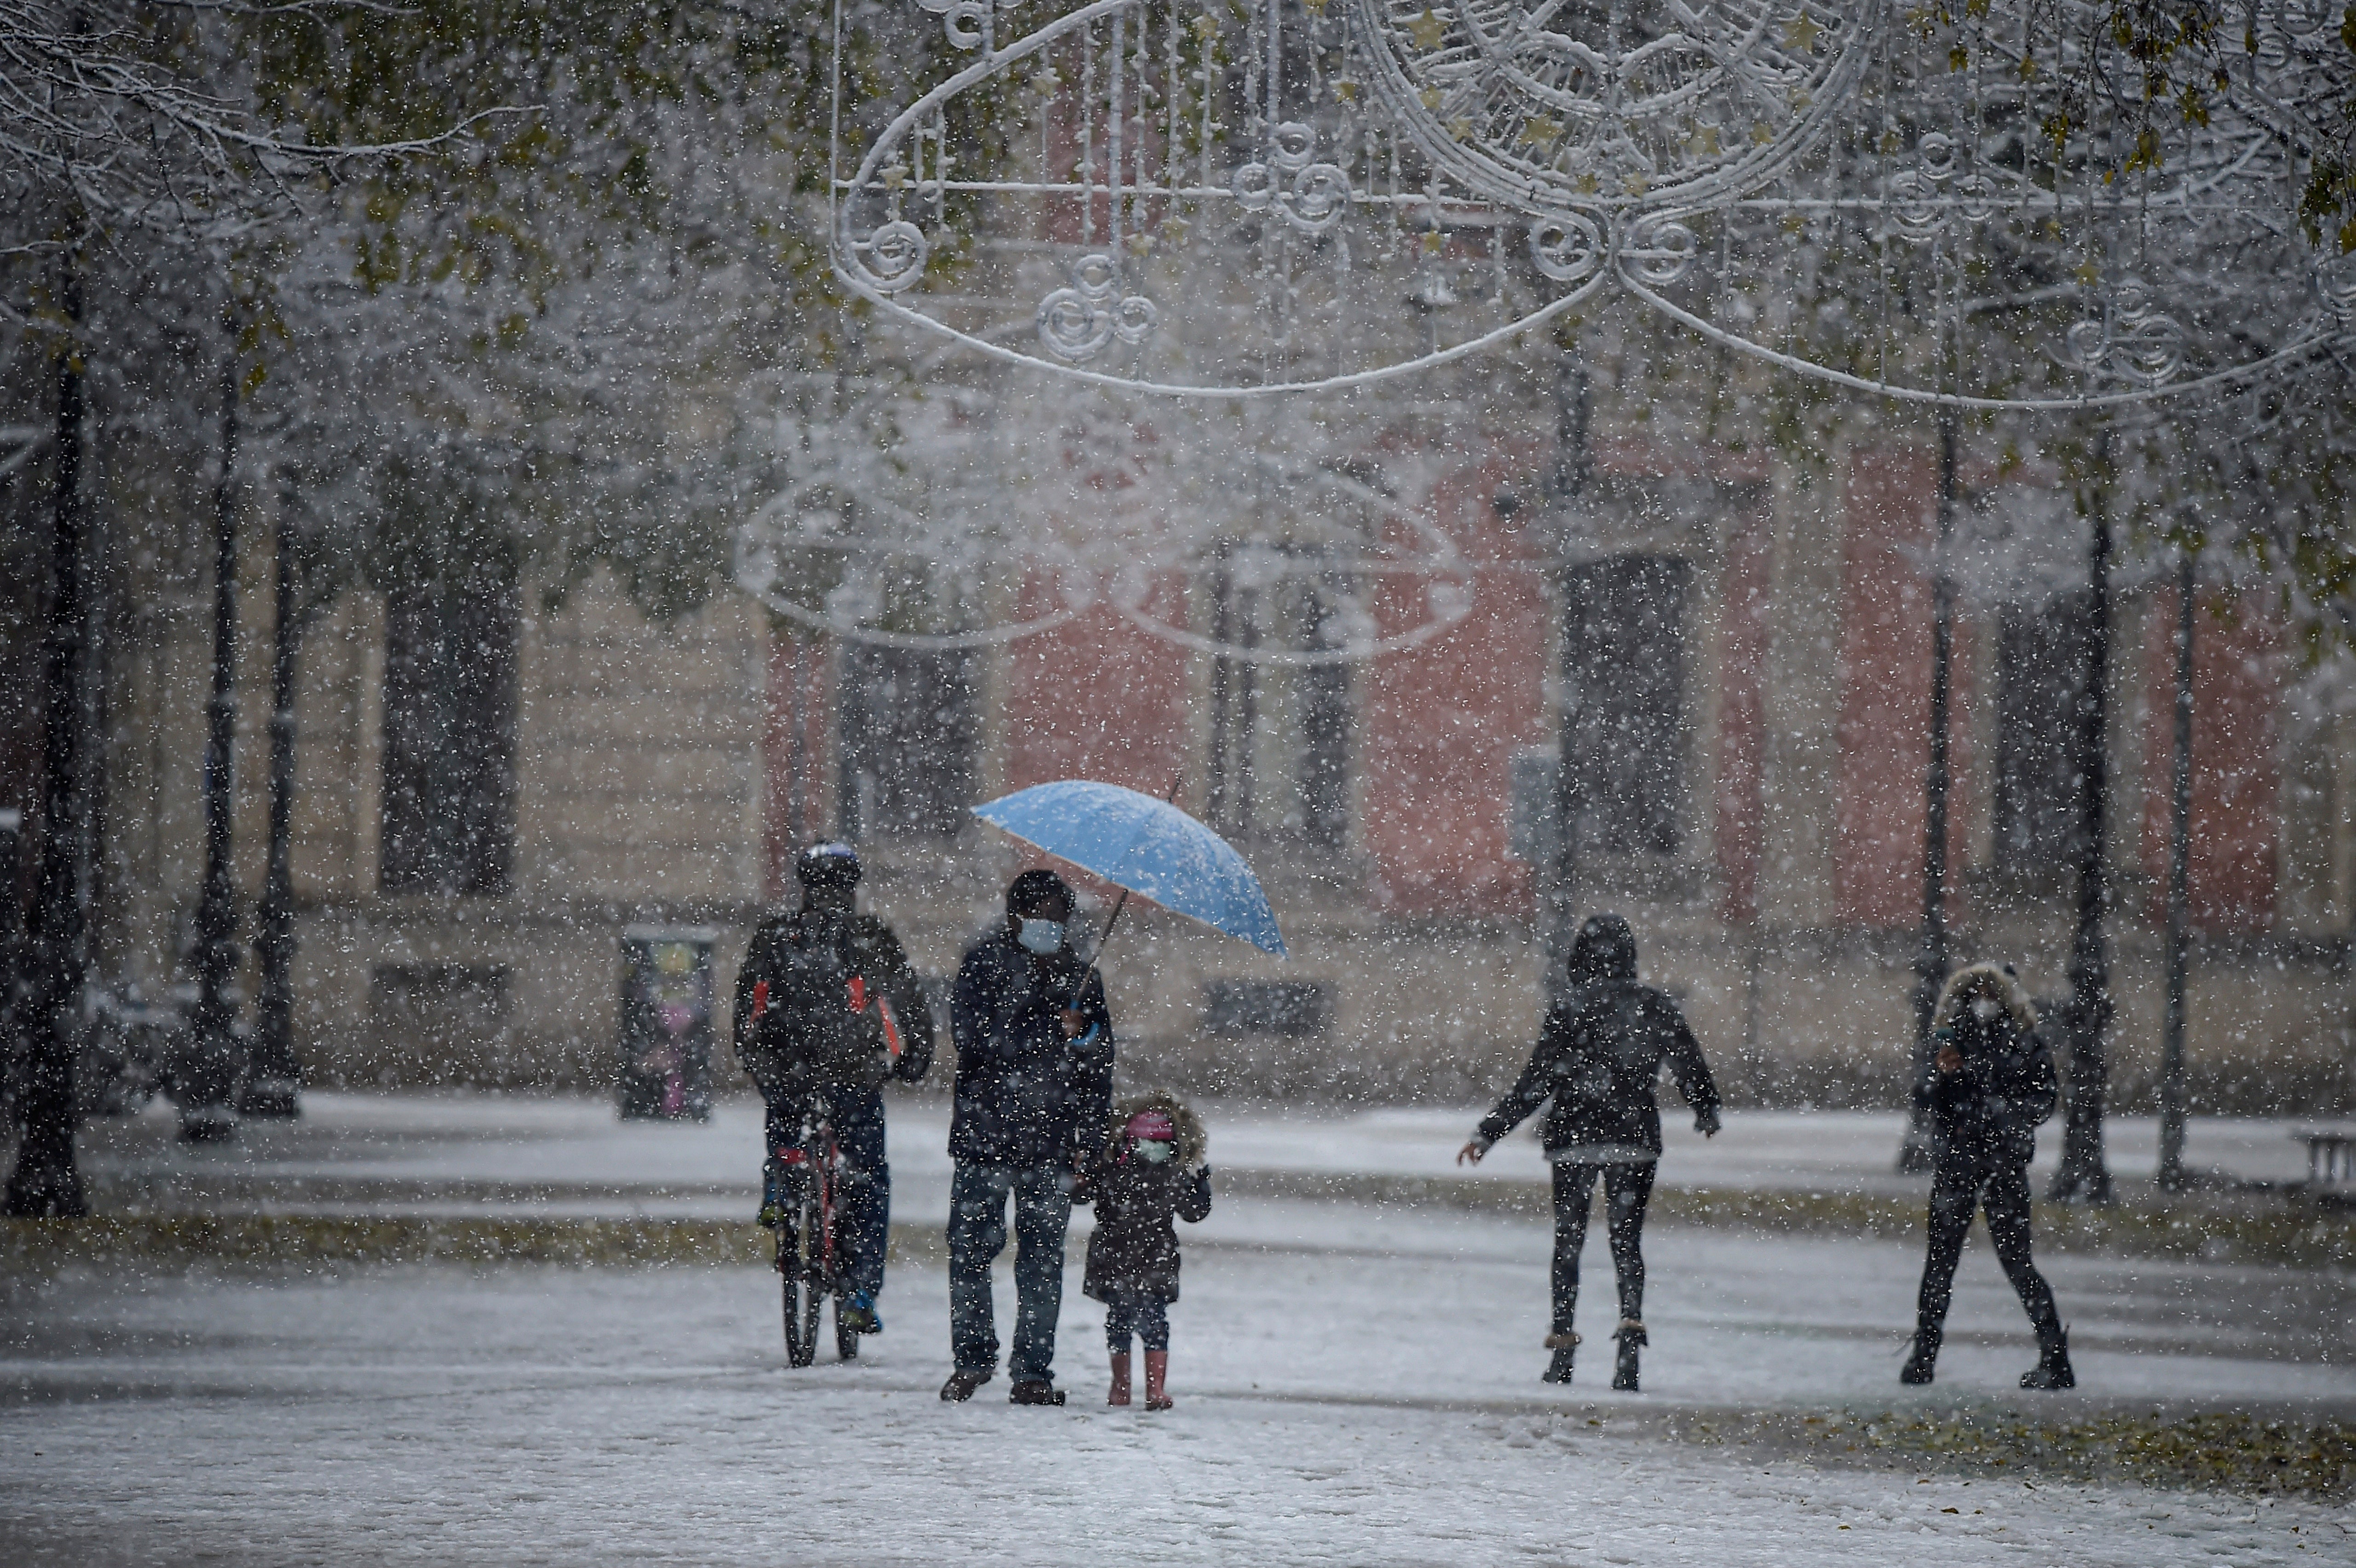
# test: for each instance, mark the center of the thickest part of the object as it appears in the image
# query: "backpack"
(804, 1034)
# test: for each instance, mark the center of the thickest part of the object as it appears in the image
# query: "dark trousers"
(1626, 1189)
(1957, 1187)
(1041, 1197)
(1148, 1320)
(863, 1199)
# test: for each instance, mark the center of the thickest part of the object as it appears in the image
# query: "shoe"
(963, 1381)
(1558, 1369)
(1922, 1365)
(1157, 1380)
(1632, 1338)
(1034, 1390)
(858, 1312)
(2052, 1370)
(1119, 1395)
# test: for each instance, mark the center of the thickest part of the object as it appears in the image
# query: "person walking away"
(1599, 1058)
(828, 1009)
(1988, 1088)
(1150, 1170)
(1035, 1050)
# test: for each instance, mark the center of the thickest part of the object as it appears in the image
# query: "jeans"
(1043, 1211)
(1148, 1320)
(1627, 1187)
(1957, 1187)
(863, 1199)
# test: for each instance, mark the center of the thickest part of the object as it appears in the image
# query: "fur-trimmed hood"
(1192, 1143)
(1975, 980)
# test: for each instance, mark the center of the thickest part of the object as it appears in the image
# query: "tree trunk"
(1931, 962)
(2085, 1175)
(2179, 865)
(45, 1184)
(1565, 489)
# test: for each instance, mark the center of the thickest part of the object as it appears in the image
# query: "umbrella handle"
(1119, 904)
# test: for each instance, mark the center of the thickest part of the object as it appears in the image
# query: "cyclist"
(827, 1009)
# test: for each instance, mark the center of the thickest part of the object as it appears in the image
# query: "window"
(1280, 733)
(1623, 669)
(2041, 675)
(449, 737)
(911, 740)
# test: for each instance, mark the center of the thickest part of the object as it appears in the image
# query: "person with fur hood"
(1988, 1088)
(1150, 1170)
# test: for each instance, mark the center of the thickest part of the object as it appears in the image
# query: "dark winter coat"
(866, 947)
(1988, 1111)
(1599, 1055)
(1133, 1256)
(1026, 1096)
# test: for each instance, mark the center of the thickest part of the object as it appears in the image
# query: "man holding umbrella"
(1033, 1083)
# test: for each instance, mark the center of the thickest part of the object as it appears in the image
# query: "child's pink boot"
(1119, 1395)
(1157, 1380)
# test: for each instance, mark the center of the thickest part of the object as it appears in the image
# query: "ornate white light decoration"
(1201, 197)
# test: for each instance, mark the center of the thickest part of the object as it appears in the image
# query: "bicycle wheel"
(800, 1267)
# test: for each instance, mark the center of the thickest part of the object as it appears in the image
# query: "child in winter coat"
(1150, 1169)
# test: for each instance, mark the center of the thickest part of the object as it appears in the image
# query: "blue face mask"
(1041, 936)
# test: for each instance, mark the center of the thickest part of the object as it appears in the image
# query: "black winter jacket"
(1988, 1111)
(1598, 1059)
(1025, 1095)
(867, 948)
(1133, 1255)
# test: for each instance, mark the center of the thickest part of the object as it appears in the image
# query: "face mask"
(1041, 936)
(1153, 1153)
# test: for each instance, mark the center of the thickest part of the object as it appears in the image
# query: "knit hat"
(1151, 1127)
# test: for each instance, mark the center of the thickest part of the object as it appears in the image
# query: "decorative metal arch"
(1207, 198)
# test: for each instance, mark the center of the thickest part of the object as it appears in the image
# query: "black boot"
(2052, 1368)
(1922, 1365)
(1631, 1335)
(1565, 1346)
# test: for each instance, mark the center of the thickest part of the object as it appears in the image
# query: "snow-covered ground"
(1357, 1384)
(408, 1151)
(1355, 1387)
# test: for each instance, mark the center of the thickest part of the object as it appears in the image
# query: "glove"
(1705, 1121)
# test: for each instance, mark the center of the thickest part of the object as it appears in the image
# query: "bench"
(2331, 1154)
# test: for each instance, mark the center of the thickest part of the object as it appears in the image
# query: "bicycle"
(807, 1255)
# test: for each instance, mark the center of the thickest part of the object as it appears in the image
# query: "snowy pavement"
(1353, 1388)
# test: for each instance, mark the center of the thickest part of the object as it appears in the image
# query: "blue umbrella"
(1143, 845)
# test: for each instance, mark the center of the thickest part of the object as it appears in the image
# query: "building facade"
(492, 785)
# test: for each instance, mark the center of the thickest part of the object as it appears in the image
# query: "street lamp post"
(44, 1184)
(273, 1076)
(2085, 1175)
(206, 1079)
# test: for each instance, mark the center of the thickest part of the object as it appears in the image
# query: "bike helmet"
(827, 865)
